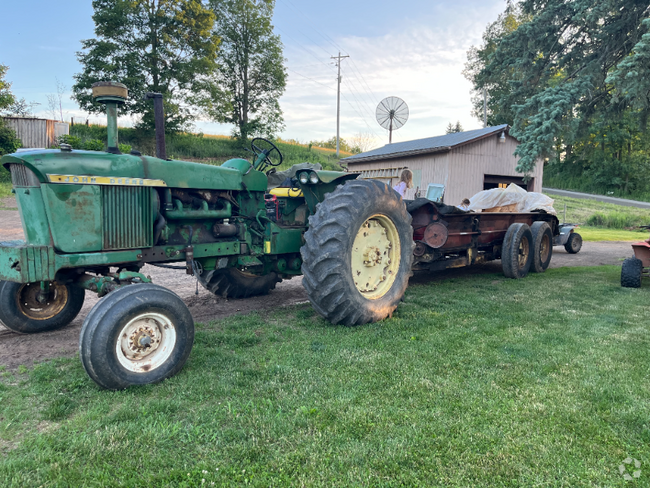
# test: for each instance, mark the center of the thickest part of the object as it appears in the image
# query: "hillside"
(209, 149)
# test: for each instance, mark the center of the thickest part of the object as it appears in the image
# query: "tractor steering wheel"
(263, 158)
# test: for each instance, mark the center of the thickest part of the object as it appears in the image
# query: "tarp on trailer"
(511, 199)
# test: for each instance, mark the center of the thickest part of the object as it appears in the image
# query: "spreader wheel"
(517, 251)
(542, 246)
(136, 335)
(233, 283)
(631, 272)
(39, 307)
(358, 253)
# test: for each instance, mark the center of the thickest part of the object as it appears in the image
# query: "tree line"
(217, 58)
(572, 78)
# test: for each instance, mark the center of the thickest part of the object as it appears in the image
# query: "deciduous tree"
(246, 88)
(9, 143)
(164, 46)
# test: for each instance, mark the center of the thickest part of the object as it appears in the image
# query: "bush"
(93, 145)
(9, 143)
(616, 220)
(74, 141)
(124, 148)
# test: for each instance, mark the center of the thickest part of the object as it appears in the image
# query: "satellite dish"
(392, 113)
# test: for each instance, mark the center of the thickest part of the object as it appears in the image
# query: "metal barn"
(37, 133)
(451, 167)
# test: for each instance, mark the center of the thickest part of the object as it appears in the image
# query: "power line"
(311, 79)
(315, 28)
(369, 91)
(362, 103)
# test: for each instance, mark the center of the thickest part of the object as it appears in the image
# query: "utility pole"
(338, 99)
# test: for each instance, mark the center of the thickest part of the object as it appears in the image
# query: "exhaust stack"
(159, 121)
(111, 94)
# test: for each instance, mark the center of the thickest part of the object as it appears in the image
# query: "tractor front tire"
(517, 251)
(542, 246)
(631, 273)
(233, 283)
(23, 311)
(573, 243)
(136, 335)
(358, 253)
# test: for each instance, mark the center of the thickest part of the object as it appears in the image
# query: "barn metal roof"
(423, 146)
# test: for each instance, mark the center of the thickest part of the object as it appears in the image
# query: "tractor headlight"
(304, 178)
(313, 178)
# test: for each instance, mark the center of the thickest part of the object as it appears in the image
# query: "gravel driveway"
(18, 349)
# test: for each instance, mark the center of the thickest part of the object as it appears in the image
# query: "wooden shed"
(451, 167)
(37, 133)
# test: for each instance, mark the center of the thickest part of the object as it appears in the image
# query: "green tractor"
(92, 220)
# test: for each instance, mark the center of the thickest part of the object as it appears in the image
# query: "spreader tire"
(233, 283)
(517, 251)
(136, 335)
(631, 273)
(21, 311)
(542, 246)
(358, 253)
(573, 243)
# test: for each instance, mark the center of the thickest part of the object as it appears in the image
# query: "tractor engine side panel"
(87, 218)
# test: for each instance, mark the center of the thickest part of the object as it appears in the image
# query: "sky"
(415, 50)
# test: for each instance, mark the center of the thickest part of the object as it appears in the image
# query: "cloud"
(420, 63)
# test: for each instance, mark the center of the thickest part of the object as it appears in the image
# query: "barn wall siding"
(461, 170)
(434, 169)
(37, 133)
(469, 164)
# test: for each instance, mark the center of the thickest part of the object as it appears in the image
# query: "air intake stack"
(111, 94)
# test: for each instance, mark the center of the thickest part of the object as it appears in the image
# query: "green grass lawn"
(5, 189)
(580, 211)
(595, 234)
(475, 381)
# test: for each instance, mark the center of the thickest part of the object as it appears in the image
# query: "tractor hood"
(57, 166)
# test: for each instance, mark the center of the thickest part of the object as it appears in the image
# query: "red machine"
(447, 237)
(638, 266)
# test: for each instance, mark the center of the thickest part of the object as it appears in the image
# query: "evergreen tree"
(560, 66)
(451, 128)
(245, 91)
(164, 46)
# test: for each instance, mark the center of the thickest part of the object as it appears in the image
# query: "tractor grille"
(127, 217)
(21, 176)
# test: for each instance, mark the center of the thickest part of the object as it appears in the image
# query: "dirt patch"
(205, 307)
(8, 203)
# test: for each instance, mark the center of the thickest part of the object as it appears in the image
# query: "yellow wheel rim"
(35, 309)
(544, 248)
(375, 257)
(524, 250)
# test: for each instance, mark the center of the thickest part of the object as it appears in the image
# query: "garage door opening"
(497, 181)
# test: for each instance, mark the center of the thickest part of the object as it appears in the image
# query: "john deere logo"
(630, 465)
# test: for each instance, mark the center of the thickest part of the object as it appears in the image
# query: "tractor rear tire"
(233, 283)
(542, 246)
(21, 311)
(631, 273)
(573, 243)
(358, 253)
(136, 335)
(517, 251)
